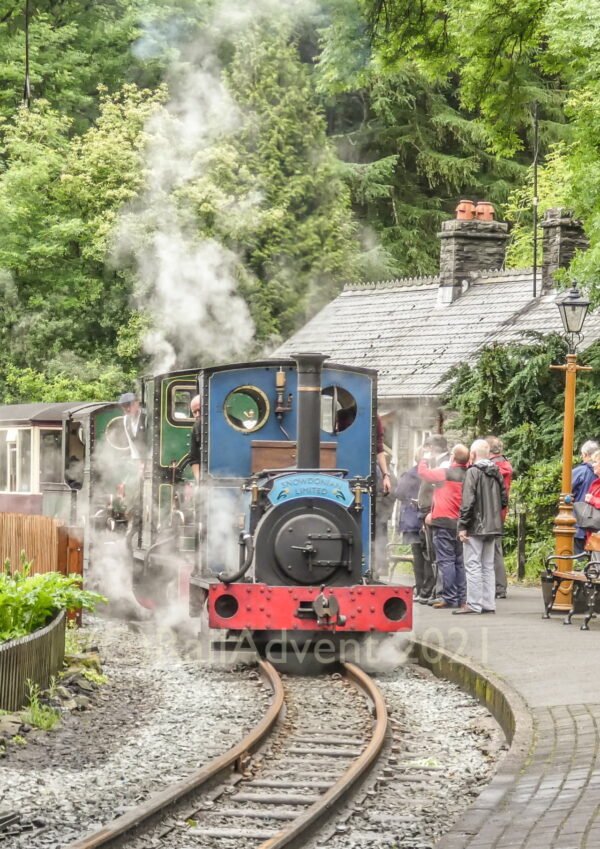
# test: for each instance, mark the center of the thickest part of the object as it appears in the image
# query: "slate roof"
(19, 414)
(399, 328)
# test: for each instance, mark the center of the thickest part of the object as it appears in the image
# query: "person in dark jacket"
(479, 523)
(581, 480)
(410, 523)
(498, 457)
(445, 510)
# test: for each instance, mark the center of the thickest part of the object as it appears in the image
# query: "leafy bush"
(534, 493)
(28, 601)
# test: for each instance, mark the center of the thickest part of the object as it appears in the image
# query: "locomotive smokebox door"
(308, 542)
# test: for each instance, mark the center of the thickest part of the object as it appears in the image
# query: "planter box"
(36, 657)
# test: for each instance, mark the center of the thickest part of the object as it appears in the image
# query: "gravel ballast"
(158, 719)
(445, 749)
(161, 717)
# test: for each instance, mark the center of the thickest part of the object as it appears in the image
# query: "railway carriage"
(49, 464)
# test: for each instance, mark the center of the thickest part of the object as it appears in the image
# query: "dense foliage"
(409, 148)
(310, 142)
(504, 57)
(28, 601)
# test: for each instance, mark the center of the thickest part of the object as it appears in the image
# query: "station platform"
(549, 797)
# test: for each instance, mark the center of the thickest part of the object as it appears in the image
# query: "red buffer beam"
(352, 609)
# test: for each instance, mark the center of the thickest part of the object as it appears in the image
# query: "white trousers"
(479, 568)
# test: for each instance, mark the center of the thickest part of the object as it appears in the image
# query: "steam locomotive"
(278, 536)
(281, 537)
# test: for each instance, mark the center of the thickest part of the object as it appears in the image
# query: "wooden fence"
(36, 657)
(46, 542)
(51, 547)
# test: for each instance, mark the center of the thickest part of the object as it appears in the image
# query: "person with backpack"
(479, 523)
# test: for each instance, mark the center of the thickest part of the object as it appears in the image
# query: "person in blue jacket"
(581, 478)
(410, 523)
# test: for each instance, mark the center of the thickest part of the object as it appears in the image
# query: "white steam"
(187, 285)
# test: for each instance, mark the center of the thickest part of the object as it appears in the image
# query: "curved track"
(274, 790)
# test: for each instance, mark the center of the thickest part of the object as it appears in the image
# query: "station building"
(413, 330)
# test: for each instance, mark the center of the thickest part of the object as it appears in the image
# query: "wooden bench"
(395, 559)
(583, 585)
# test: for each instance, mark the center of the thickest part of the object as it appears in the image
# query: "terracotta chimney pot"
(484, 211)
(465, 211)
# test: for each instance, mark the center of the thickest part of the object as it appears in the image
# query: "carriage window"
(180, 398)
(50, 456)
(247, 409)
(24, 455)
(338, 409)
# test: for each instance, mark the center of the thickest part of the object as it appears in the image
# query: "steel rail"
(354, 772)
(176, 792)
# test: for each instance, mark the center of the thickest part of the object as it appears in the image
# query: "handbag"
(588, 517)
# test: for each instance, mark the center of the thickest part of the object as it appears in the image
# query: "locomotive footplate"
(344, 609)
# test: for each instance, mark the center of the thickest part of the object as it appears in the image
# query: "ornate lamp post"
(573, 308)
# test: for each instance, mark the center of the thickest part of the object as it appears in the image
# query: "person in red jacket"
(445, 509)
(497, 456)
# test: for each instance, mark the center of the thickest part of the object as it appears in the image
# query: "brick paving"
(552, 801)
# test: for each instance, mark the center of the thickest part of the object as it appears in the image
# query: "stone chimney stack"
(472, 242)
(563, 235)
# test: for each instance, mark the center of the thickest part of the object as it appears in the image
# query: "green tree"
(497, 50)
(59, 199)
(76, 47)
(409, 149)
(271, 191)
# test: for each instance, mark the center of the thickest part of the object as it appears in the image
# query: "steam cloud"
(187, 285)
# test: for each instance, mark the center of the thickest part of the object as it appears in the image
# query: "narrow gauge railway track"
(329, 739)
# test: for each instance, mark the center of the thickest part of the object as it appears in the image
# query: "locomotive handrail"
(293, 470)
(247, 544)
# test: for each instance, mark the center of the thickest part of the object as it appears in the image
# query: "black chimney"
(470, 243)
(563, 236)
(309, 409)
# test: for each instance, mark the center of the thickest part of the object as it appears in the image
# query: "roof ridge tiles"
(394, 283)
(503, 272)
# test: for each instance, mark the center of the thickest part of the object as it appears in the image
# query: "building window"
(3, 461)
(419, 437)
(15, 459)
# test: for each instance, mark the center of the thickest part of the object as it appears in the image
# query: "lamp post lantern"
(573, 308)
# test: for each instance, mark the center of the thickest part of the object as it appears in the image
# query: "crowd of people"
(452, 509)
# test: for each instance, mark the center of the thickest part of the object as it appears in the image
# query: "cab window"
(180, 398)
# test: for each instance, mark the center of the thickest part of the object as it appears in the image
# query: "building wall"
(406, 423)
